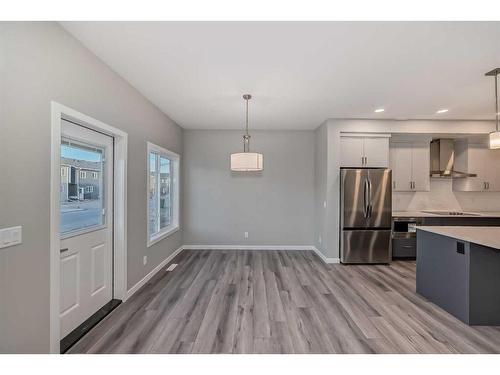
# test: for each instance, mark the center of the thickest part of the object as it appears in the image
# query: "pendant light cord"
(246, 118)
(246, 136)
(496, 98)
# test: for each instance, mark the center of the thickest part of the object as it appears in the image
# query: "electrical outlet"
(145, 260)
(319, 239)
(246, 234)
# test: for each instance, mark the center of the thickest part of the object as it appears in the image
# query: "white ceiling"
(301, 73)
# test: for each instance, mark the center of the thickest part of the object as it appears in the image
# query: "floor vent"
(171, 267)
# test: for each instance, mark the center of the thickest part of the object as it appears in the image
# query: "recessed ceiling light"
(442, 111)
(379, 110)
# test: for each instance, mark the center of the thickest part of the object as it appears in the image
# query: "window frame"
(175, 193)
(83, 174)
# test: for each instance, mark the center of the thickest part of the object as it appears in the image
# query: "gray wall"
(275, 206)
(40, 62)
(320, 185)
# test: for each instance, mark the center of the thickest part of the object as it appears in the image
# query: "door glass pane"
(165, 195)
(81, 199)
(153, 195)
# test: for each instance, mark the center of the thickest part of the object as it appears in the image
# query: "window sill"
(162, 235)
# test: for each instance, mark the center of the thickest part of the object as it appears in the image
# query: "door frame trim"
(58, 112)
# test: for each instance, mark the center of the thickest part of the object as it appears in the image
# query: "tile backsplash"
(442, 197)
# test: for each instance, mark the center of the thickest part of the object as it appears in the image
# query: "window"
(163, 193)
(94, 175)
(63, 171)
(80, 211)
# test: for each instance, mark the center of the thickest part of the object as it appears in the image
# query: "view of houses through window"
(81, 184)
(160, 197)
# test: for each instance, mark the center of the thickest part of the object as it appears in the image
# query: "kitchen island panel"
(461, 277)
(484, 284)
(443, 273)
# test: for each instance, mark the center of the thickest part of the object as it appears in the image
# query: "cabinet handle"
(394, 184)
(366, 160)
(362, 160)
(488, 185)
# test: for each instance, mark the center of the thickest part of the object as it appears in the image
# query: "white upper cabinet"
(351, 152)
(493, 172)
(410, 164)
(480, 160)
(376, 152)
(364, 151)
(421, 166)
(400, 162)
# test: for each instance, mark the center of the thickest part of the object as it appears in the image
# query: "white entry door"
(86, 224)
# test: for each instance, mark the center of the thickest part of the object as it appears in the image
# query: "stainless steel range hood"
(442, 160)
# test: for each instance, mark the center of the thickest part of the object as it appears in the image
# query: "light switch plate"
(11, 236)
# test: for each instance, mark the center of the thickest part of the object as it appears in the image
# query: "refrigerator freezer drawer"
(366, 246)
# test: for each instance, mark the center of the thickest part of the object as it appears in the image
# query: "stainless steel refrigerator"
(365, 215)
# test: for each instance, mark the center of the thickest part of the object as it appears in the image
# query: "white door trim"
(58, 111)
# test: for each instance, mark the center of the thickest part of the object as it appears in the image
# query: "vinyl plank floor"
(231, 301)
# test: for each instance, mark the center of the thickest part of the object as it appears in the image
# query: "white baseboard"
(246, 247)
(153, 272)
(262, 247)
(325, 259)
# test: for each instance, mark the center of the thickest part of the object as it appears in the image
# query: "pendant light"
(495, 136)
(247, 161)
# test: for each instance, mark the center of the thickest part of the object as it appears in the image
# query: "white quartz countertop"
(485, 236)
(428, 214)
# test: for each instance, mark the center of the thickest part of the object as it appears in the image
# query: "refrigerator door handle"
(365, 199)
(370, 207)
